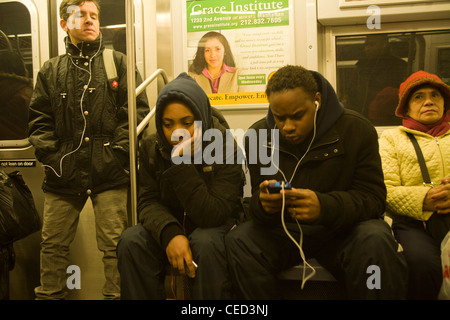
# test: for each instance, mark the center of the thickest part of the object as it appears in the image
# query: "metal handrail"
(135, 130)
(144, 122)
(141, 88)
(147, 81)
(8, 43)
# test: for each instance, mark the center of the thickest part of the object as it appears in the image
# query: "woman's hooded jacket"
(177, 198)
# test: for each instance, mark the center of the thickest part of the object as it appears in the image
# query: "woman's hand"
(179, 255)
(438, 198)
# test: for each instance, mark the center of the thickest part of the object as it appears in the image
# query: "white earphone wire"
(300, 243)
(81, 109)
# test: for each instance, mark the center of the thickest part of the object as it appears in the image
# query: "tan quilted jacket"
(402, 175)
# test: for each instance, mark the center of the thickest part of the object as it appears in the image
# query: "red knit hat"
(414, 80)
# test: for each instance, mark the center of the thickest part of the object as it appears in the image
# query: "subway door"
(25, 36)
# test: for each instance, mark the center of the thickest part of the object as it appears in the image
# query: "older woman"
(424, 100)
(213, 67)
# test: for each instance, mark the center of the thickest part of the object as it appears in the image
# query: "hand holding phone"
(271, 199)
(276, 187)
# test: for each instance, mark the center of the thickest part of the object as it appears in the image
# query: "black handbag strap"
(420, 158)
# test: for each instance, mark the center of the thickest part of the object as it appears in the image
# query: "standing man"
(330, 157)
(79, 128)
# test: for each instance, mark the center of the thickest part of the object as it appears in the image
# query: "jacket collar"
(85, 49)
(420, 133)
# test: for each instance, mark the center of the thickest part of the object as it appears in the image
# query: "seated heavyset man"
(330, 157)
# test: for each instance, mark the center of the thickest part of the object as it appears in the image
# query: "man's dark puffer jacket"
(79, 121)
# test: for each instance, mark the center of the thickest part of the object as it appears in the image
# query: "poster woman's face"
(214, 53)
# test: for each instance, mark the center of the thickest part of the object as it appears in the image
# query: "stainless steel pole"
(132, 118)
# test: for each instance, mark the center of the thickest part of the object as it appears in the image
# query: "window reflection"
(16, 70)
(371, 67)
(112, 24)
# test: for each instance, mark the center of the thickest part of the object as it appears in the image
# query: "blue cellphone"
(275, 187)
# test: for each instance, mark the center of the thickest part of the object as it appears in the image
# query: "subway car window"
(112, 24)
(16, 70)
(370, 69)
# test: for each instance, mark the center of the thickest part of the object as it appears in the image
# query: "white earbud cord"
(300, 243)
(81, 109)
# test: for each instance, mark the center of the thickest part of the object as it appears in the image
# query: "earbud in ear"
(317, 105)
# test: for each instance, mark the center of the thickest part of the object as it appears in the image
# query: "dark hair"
(199, 62)
(291, 77)
(65, 4)
(11, 62)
